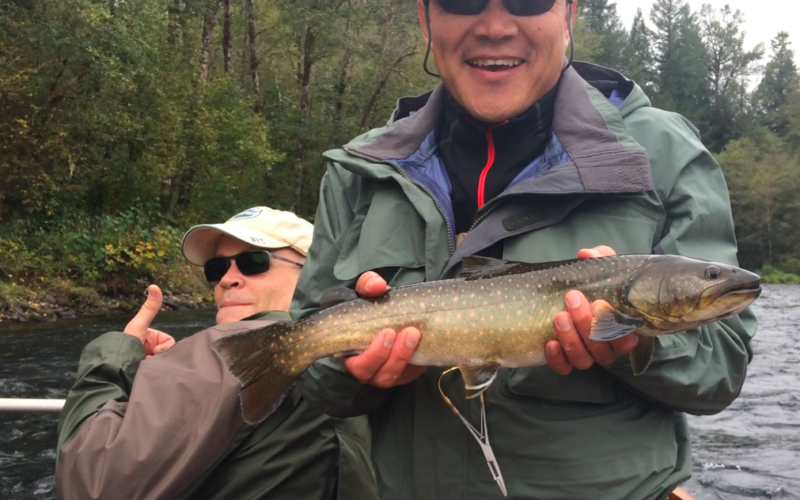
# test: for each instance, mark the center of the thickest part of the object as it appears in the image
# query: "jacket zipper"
(427, 191)
(490, 153)
(485, 211)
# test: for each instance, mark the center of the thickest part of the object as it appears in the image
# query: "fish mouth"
(734, 293)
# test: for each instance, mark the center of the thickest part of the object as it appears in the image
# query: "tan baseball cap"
(259, 226)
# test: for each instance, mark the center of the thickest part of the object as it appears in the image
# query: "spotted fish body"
(494, 314)
(504, 319)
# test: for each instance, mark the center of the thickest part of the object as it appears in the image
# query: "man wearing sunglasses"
(521, 154)
(170, 427)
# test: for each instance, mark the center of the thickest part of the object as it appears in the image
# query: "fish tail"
(266, 361)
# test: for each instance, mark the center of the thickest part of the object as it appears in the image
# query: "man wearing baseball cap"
(263, 280)
(176, 432)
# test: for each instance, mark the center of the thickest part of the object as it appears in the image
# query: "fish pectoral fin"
(478, 378)
(609, 324)
(642, 354)
(336, 296)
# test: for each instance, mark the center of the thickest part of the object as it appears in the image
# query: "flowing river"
(751, 450)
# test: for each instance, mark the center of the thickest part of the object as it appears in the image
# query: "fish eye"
(712, 272)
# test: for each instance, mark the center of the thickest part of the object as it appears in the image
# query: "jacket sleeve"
(326, 385)
(700, 371)
(157, 436)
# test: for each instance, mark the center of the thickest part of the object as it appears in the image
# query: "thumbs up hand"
(155, 341)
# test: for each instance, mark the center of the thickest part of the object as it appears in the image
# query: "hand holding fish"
(385, 362)
(574, 348)
(155, 341)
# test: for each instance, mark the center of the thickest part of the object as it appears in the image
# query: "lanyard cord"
(481, 436)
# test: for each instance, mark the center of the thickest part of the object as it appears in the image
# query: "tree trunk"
(383, 76)
(382, 81)
(226, 36)
(251, 46)
(304, 78)
(209, 23)
(176, 22)
(341, 86)
(769, 238)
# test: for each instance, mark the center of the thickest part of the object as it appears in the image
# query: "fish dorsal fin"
(476, 267)
(336, 296)
(478, 378)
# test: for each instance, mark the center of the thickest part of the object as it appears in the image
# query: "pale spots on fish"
(512, 315)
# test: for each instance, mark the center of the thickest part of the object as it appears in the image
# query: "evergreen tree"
(638, 61)
(602, 19)
(680, 60)
(780, 80)
(728, 66)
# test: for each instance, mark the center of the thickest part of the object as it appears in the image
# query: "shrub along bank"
(81, 265)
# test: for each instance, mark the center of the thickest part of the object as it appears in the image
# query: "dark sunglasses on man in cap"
(514, 7)
(249, 263)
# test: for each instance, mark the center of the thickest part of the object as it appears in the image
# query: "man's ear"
(422, 20)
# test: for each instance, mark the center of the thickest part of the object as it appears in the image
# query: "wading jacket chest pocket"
(387, 236)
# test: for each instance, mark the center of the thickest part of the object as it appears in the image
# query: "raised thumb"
(139, 324)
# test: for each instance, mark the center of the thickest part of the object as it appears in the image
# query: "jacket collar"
(601, 157)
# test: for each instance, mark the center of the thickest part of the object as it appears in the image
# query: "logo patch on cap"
(250, 213)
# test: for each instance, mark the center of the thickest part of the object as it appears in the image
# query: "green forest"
(124, 122)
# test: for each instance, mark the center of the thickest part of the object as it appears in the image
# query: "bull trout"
(493, 314)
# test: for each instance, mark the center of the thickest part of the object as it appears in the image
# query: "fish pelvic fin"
(642, 354)
(478, 378)
(266, 364)
(609, 324)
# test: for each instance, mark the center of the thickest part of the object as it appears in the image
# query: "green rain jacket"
(176, 432)
(616, 172)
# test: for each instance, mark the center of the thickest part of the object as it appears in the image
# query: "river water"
(751, 450)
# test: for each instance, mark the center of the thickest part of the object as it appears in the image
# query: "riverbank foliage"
(123, 123)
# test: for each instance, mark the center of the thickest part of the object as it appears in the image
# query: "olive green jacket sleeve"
(326, 385)
(106, 371)
(699, 371)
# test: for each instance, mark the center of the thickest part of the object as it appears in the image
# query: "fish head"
(674, 293)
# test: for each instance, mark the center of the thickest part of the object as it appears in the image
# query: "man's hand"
(574, 348)
(385, 362)
(155, 342)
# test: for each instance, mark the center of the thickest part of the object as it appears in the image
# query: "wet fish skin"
(494, 314)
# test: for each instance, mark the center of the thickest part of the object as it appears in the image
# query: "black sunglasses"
(514, 7)
(249, 263)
